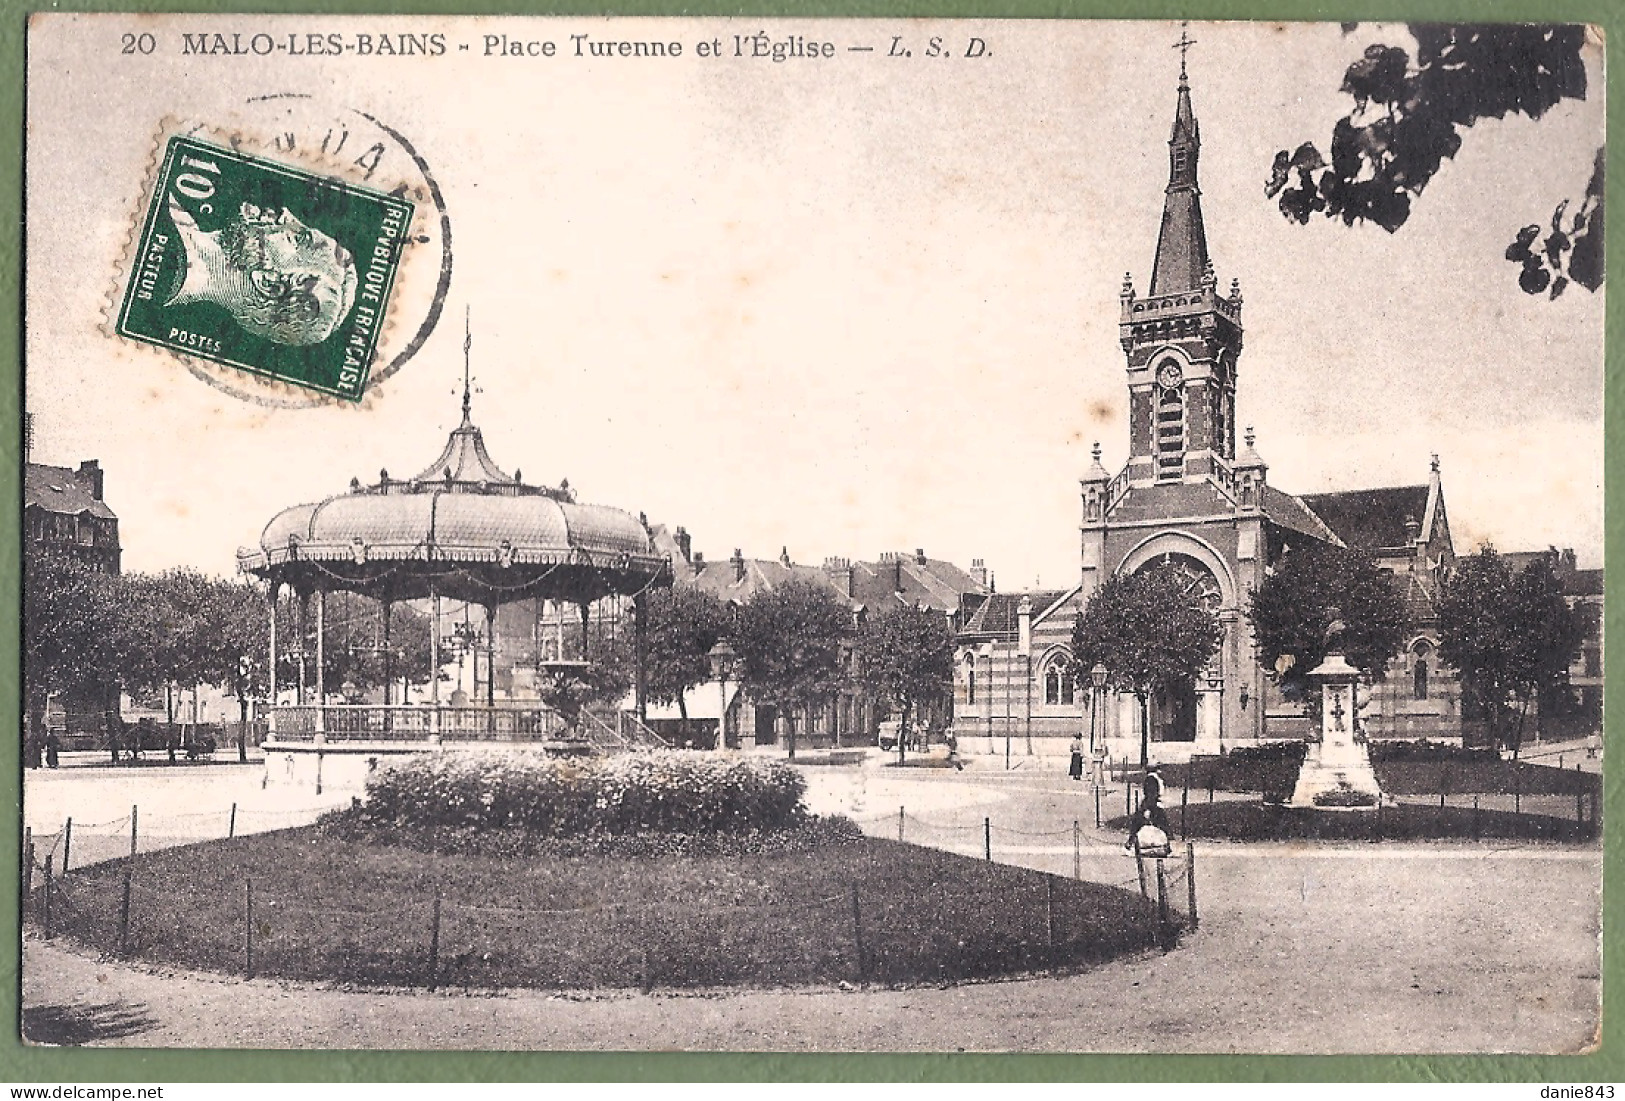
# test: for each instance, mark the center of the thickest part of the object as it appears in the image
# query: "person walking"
(53, 749)
(1077, 757)
(1097, 763)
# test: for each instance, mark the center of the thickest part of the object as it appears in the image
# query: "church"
(1188, 498)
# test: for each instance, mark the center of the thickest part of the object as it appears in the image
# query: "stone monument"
(1336, 770)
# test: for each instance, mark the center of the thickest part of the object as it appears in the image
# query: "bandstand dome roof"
(463, 528)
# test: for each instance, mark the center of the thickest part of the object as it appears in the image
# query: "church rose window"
(1195, 579)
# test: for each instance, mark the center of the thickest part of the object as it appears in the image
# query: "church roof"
(1292, 513)
(59, 489)
(1372, 518)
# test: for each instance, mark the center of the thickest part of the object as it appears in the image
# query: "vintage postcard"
(812, 535)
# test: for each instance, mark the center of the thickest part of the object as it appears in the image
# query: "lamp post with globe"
(724, 662)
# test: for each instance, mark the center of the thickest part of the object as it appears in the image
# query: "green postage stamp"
(269, 268)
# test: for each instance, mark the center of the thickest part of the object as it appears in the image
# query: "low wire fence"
(937, 917)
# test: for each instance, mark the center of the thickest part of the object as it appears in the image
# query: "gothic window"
(1420, 672)
(1059, 687)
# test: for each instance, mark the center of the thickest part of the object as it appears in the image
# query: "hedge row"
(571, 797)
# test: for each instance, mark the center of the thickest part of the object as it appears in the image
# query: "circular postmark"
(353, 148)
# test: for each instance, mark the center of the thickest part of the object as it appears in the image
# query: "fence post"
(48, 887)
(900, 823)
(857, 935)
(1517, 790)
(987, 838)
(1162, 906)
(1444, 784)
(1077, 850)
(1049, 918)
(248, 928)
(1097, 806)
(124, 913)
(1475, 817)
(1184, 799)
(1212, 781)
(1190, 880)
(231, 827)
(67, 843)
(133, 812)
(1139, 865)
(434, 944)
(1128, 806)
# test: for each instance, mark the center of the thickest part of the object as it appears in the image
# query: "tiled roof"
(58, 489)
(1290, 512)
(1419, 605)
(1585, 583)
(1000, 613)
(1373, 519)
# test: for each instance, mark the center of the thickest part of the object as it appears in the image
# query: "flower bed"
(682, 793)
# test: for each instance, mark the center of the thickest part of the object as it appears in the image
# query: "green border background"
(25, 1065)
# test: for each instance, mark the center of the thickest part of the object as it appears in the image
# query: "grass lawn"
(1235, 820)
(1400, 771)
(327, 908)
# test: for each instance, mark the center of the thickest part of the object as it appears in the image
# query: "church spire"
(1182, 258)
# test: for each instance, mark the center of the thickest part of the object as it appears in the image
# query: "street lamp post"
(723, 660)
(1097, 680)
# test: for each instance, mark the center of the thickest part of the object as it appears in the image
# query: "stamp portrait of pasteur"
(265, 266)
(277, 277)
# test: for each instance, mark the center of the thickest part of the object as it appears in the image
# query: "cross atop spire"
(1183, 46)
(468, 343)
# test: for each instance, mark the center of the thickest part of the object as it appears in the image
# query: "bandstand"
(461, 530)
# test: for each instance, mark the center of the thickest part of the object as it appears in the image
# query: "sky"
(838, 306)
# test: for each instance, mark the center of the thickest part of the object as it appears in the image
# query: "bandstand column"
(640, 629)
(389, 655)
(434, 671)
(321, 663)
(304, 634)
(490, 655)
(270, 711)
(586, 614)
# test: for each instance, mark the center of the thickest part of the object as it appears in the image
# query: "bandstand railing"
(510, 722)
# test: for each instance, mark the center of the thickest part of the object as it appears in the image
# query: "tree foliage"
(1294, 609)
(1409, 118)
(1510, 635)
(791, 641)
(684, 623)
(1149, 632)
(906, 656)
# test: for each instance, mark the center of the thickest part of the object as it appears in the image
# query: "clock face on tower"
(1169, 375)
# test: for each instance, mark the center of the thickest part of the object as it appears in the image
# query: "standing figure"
(1077, 756)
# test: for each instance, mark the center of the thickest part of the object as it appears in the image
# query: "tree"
(1510, 635)
(683, 624)
(1293, 611)
(906, 656)
(81, 632)
(1150, 633)
(791, 643)
(353, 643)
(1408, 119)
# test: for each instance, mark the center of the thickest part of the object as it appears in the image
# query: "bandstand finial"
(468, 343)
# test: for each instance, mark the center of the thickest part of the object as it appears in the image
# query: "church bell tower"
(1183, 338)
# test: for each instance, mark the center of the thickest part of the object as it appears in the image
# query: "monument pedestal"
(1337, 769)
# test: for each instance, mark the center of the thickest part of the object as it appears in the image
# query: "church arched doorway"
(1175, 710)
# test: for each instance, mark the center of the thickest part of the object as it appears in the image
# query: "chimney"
(90, 473)
(978, 572)
(784, 555)
(685, 543)
(738, 561)
(840, 574)
(1024, 626)
(1413, 529)
(919, 556)
(893, 564)
(699, 561)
